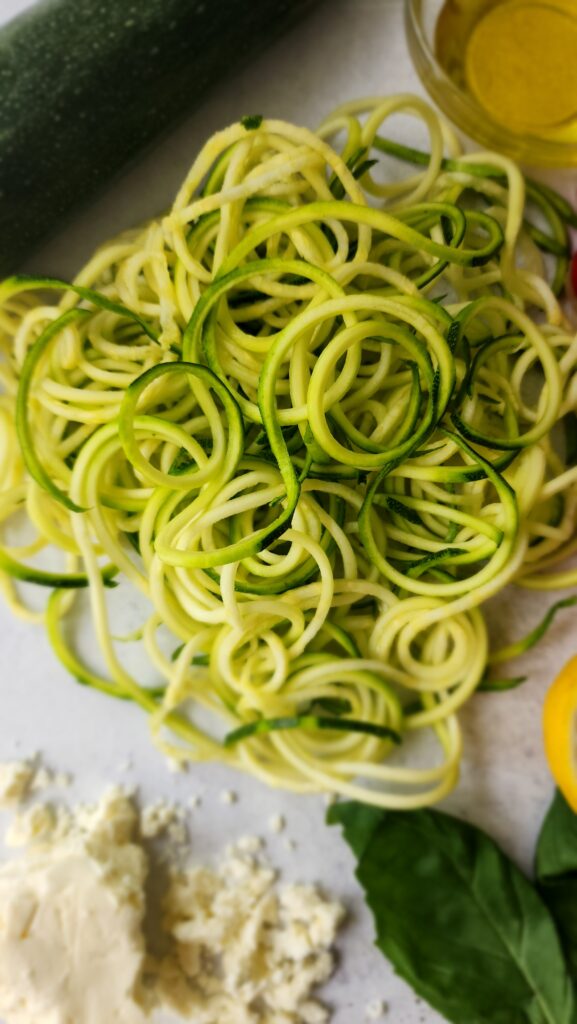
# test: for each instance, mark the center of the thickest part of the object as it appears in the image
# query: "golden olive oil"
(517, 58)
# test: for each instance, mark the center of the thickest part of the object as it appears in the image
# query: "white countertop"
(348, 48)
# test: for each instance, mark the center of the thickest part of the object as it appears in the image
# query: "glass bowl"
(462, 109)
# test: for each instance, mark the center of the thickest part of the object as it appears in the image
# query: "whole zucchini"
(86, 84)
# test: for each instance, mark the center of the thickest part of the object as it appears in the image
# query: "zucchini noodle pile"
(316, 416)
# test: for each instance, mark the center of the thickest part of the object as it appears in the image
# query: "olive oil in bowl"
(503, 71)
(517, 59)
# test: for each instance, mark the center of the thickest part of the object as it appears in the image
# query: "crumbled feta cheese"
(194, 801)
(241, 948)
(247, 946)
(37, 823)
(314, 1013)
(71, 943)
(177, 833)
(250, 844)
(16, 778)
(62, 780)
(21, 779)
(158, 818)
(228, 796)
(112, 820)
(375, 1009)
(41, 780)
(276, 823)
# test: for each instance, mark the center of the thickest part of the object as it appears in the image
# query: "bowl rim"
(466, 112)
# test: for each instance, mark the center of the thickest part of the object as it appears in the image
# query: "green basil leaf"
(459, 921)
(556, 870)
(359, 822)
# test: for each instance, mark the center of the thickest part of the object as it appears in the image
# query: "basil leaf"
(458, 920)
(359, 822)
(556, 870)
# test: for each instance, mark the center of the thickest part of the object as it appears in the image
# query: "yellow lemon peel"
(559, 717)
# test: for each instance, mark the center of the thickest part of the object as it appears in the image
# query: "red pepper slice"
(574, 273)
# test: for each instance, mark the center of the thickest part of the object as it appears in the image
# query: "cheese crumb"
(177, 833)
(36, 824)
(42, 779)
(276, 824)
(314, 1013)
(228, 796)
(250, 844)
(21, 779)
(112, 821)
(16, 778)
(62, 780)
(375, 1009)
(161, 817)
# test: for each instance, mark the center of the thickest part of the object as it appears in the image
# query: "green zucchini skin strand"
(310, 723)
(54, 580)
(557, 210)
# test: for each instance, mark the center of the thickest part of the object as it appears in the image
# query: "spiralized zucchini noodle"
(315, 417)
